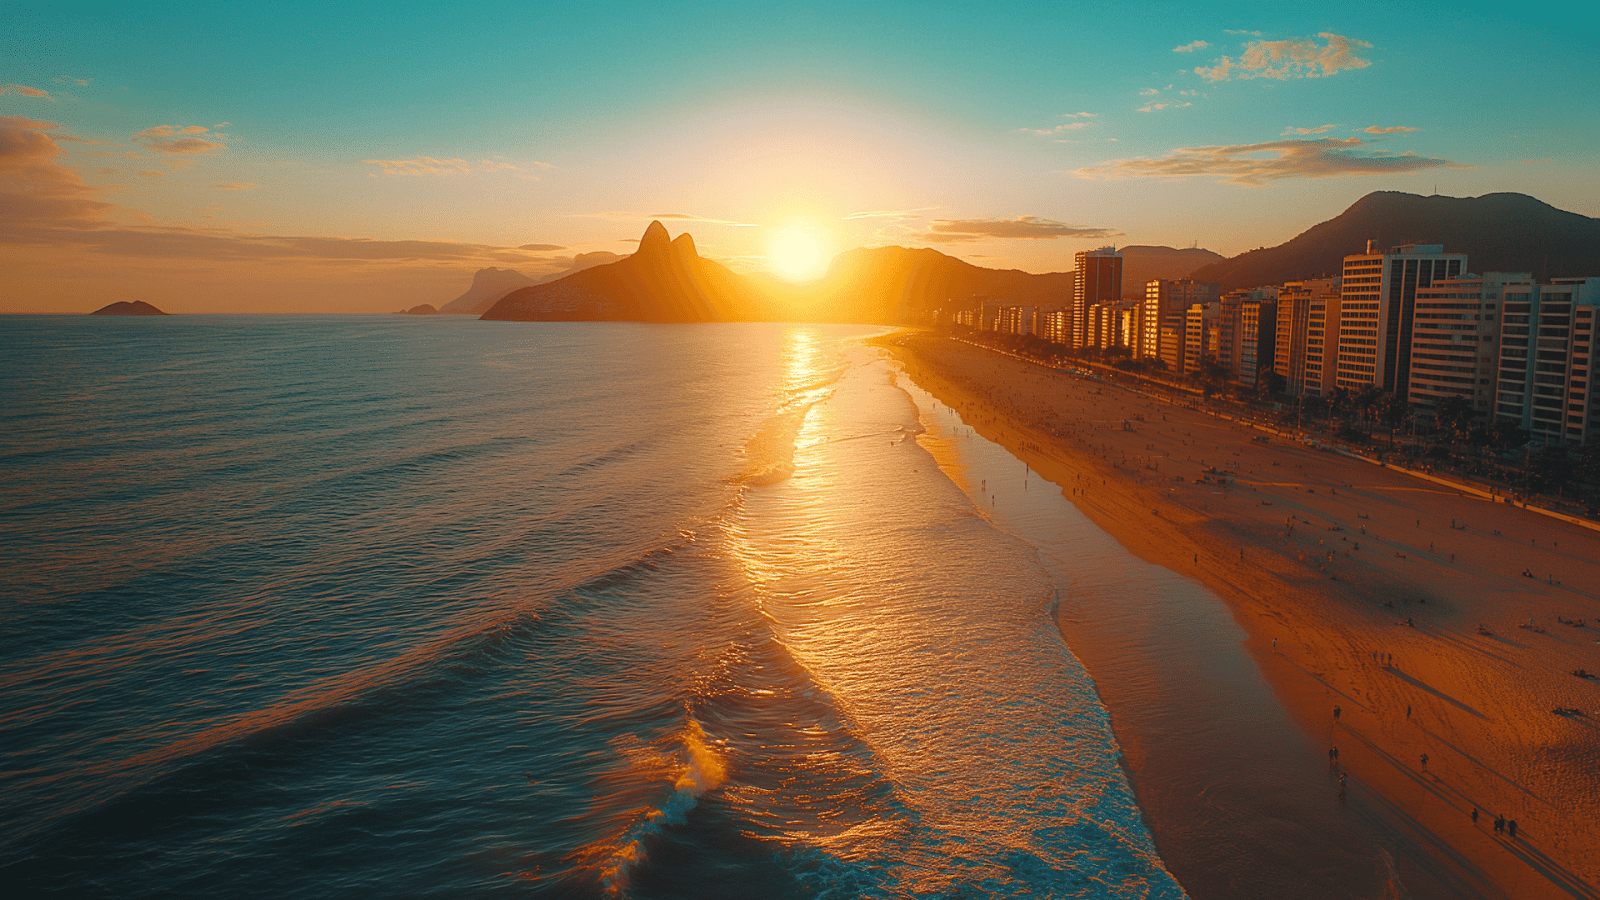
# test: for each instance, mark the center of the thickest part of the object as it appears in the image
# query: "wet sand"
(1322, 561)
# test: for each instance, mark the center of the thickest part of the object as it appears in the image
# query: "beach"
(1431, 636)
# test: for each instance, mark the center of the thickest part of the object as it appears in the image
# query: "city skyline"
(317, 160)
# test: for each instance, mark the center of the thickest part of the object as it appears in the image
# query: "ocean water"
(326, 606)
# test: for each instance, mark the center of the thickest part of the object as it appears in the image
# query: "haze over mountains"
(666, 280)
(489, 285)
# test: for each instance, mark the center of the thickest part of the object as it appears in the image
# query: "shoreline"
(1305, 548)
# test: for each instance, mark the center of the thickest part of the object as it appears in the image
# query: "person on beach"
(1474, 815)
(1424, 760)
(1499, 824)
(1511, 826)
(1336, 713)
(1408, 711)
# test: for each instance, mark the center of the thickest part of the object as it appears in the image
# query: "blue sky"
(362, 157)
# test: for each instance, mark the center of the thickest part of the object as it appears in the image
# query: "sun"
(798, 253)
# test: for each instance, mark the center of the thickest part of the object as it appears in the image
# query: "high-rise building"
(1099, 280)
(1293, 329)
(1375, 312)
(1200, 338)
(1166, 303)
(1454, 340)
(1230, 351)
(1322, 343)
(1547, 345)
(1257, 339)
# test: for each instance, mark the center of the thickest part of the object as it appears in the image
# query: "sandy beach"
(1431, 637)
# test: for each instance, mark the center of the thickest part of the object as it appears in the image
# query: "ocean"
(330, 606)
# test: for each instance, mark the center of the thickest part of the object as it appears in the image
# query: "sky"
(351, 158)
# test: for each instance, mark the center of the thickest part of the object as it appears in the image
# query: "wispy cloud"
(541, 248)
(25, 91)
(1392, 129)
(1064, 127)
(896, 215)
(70, 80)
(429, 165)
(237, 186)
(671, 217)
(179, 140)
(1320, 129)
(1293, 58)
(951, 231)
(1156, 107)
(1191, 47)
(1260, 164)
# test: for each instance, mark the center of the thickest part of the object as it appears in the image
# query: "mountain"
(489, 285)
(127, 308)
(1498, 232)
(1142, 264)
(425, 309)
(665, 280)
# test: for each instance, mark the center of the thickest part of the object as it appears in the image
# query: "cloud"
(1149, 92)
(1393, 129)
(25, 91)
(69, 80)
(237, 186)
(950, 231)
(1191, 47)
(152, 173)
(45, 204)
(1293, 58)
(428, 165)
(1245, 163)
(670, 217)
(898, 215)
(179, 140)
(1153, 107)
(34, 185)
(541, 248)
(1320, 129)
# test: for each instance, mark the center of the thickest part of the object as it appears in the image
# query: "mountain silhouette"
(128, 308)
(1498, 233)
(664, 280)
(489, 285)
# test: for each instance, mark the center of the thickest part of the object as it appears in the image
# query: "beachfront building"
(1257, 339)
(1166, 303)
(1454, 340)
(1200, 335)
(1055, 326)
(1098, 280)
(1230, 332)
(1293, 329)
(1546, 353)
(1375, 312)
(1322, 343)
(1015, 320)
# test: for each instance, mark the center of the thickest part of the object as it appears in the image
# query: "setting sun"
(798, 253)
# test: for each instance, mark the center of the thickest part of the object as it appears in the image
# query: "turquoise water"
(312, 606)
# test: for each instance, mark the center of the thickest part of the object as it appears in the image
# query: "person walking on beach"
(1499, 824)
(1336, 713)
(1511, 826)
(1408, 710)
(1474, 815)
(1424, 760)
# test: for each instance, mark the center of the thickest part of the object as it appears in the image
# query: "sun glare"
(798, 253)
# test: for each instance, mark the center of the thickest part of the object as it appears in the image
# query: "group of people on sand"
(1502, 825)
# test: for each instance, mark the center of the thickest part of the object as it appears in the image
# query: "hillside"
(1498, 232)
(128, 308)
(1142, 264)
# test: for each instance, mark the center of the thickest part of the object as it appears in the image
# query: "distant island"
(424, 309)
(128, 308)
